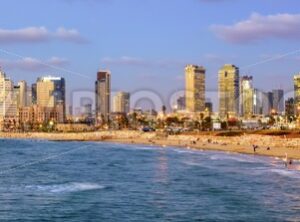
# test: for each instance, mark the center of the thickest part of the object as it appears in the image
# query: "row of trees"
(15, 126)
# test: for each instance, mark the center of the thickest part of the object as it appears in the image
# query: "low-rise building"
(39, 115)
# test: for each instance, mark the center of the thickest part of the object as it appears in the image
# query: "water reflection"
(162, 168)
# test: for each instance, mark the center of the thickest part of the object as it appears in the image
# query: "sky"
(147, 43)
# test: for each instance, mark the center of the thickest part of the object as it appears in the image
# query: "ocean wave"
(191, 151)
(237, 158)
(66, 188)
(190, 163)
(286, 173)
(135, 146)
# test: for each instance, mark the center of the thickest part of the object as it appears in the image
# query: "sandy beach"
(275, 146)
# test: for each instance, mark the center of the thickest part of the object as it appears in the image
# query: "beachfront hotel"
(122, 102)
(247, 96)
(195, 88)
(297, 93)
(8, 105)
(103, 93)
(23, 94)
(228, 87)
(51, 92)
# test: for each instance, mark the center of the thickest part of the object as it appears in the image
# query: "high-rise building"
(8, 105)
(270, 99)
(266, 105)
(103, 92)
(195, 88)
(34, 93)
(278, 101)
(29, 99)
(290, 108)
(261, 103)
(181, 103)
(247, 96)
(122, 102)
(50, 91)
(87, 110)
(258, 100)
(23, 95)
(228, 87)
(16, 95)
(297, 93)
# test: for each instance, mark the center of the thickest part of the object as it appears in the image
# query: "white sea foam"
(286, 173)
(190, 163)
(178, 150)
(237, 158)
(66, 188)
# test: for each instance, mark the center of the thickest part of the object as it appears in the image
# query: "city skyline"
(150, 110)
(235, 93)
(78, 48)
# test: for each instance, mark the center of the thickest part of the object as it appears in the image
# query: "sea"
(95, 181)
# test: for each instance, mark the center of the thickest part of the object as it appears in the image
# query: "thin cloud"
(258, 27)
(71, 35)
(31, 34)
(33, 64)
(57, 61)
(39, 34)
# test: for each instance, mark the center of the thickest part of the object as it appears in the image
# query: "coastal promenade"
(276, 146)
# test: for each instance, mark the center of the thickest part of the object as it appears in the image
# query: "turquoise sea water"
(76, 181)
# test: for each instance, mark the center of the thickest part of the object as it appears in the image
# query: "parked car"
(147, 129)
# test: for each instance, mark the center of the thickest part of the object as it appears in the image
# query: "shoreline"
(279, 147)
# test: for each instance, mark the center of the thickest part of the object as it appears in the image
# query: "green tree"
(224, 125)
(207, 123)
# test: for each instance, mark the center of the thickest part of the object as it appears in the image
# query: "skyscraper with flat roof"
(195, 88)
(8, 103)
(22, 93)
(278, 101)
(270, 100)
(290, 108)
(50, 91)
(297, 93)
(228, 87)
(103, 93)
(122, 102)
(247, 96)
(33, 94)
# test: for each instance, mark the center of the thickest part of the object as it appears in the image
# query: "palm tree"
(164, 109)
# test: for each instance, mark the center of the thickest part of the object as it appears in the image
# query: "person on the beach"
(286, 160)
(254, 148)
(268, 148)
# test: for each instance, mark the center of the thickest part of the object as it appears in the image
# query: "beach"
(275, 146)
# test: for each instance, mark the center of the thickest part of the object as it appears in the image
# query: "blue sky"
(146, 43)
